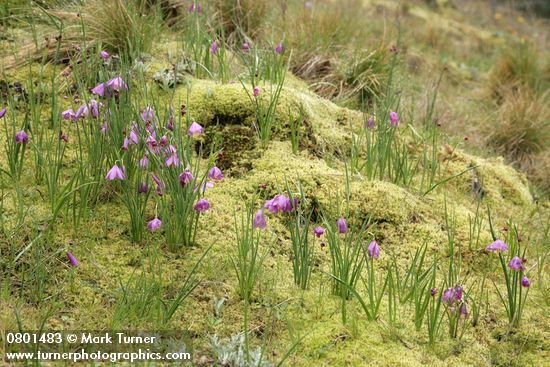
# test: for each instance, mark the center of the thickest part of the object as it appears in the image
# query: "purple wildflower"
(150, 128)
(94, 108)
(171, 149)
(133, 137)
(72, 259)
(173, 160)
(194, 8)
(104, 128)
(259, 220)
(143, 188)
(213, 47)
(319, 231)
(158, 184)
(373, 250)
(256, 92)
(154, 224)
(447, 295)
(163, 141)
(433, 291)
(67, 114)
(63, 137)
(246, 47)
(3, 112)
(525, 282)
(21, 137)
(452, 295)
(215, 174)
(497, 246)
(104, 55)
(151, 142)
(195, 129)
(148, 114)
(342, 225)
(144, 162)
(170, 125)
(99, 89)
(370, 123)
(394, 118)
(458, 291)
(81, 112)
(115, 173)
(116, 84)
(516, 264)
(186, 177)
(279, 203)
(202, 205)
(125, 144)
(279, 48)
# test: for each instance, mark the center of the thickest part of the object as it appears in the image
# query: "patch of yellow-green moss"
(325, 127)
(492, 179)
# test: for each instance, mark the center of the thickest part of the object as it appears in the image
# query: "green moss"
(326, 126)
(501, 185)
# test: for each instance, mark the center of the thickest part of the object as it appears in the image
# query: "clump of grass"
(298, 223)
(143, 297)
(248, 260)
(203, 46)
(126, 27)
(317, 68)
(518, 68)
(241, 17)
(512, 257)
(522, 126)
(328, 39)
(266, 70)
(324, 26)
(353, 79)
(518, 86)
(367, 74)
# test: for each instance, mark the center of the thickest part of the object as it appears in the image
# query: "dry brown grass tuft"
(357, 77)
(521, 131)
(523, 125)
(518, 88)
(318, 69)
(518, 67)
